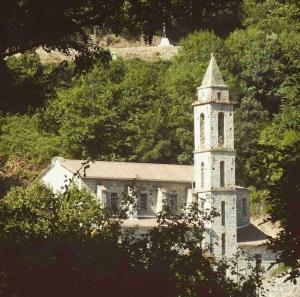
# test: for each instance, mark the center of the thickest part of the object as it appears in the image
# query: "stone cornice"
(197, 103)
(212, 190)
(219, 87)
(214, 150)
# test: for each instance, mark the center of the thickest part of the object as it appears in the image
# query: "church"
(210, 181)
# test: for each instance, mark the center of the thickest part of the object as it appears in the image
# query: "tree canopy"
(27, 24)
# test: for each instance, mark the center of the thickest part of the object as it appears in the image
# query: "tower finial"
(212, 55)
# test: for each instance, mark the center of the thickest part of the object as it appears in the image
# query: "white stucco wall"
(57, 177)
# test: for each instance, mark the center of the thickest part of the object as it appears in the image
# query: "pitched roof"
(131, 170)
(213, 76)
(250, 235)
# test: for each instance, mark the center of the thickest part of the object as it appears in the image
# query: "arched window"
(202, 175)
(223, 213)
(202, 131)
(220, 128)
(222, 174)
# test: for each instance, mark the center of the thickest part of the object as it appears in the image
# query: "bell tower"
(214, 159)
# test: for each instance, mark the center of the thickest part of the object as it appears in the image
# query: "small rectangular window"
(174, 203)
(219, 95)
(223, 244)
(258, 261)
(114, 201)
(144, 201)
(202, 204)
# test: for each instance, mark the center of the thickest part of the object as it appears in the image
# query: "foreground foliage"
(67, 245)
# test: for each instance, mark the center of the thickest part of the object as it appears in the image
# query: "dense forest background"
(133, 110)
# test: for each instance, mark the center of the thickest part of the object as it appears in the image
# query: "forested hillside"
(141, 111)
(137, 110)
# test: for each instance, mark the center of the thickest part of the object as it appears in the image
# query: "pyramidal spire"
(213, 76)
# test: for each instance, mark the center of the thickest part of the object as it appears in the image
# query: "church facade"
(210, 181)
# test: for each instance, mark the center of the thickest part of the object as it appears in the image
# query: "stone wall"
(213, 94)
(216, 188)
(211, 154)
(229, 228)
(210, 112)
(152, 189)
(251, 252)
(148, 53)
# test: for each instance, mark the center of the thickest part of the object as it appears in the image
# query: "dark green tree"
(263, 56)
(249, 119)
(29, 85)
(277, 171)
(271, 16)
(68, 244)
(26, 24)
